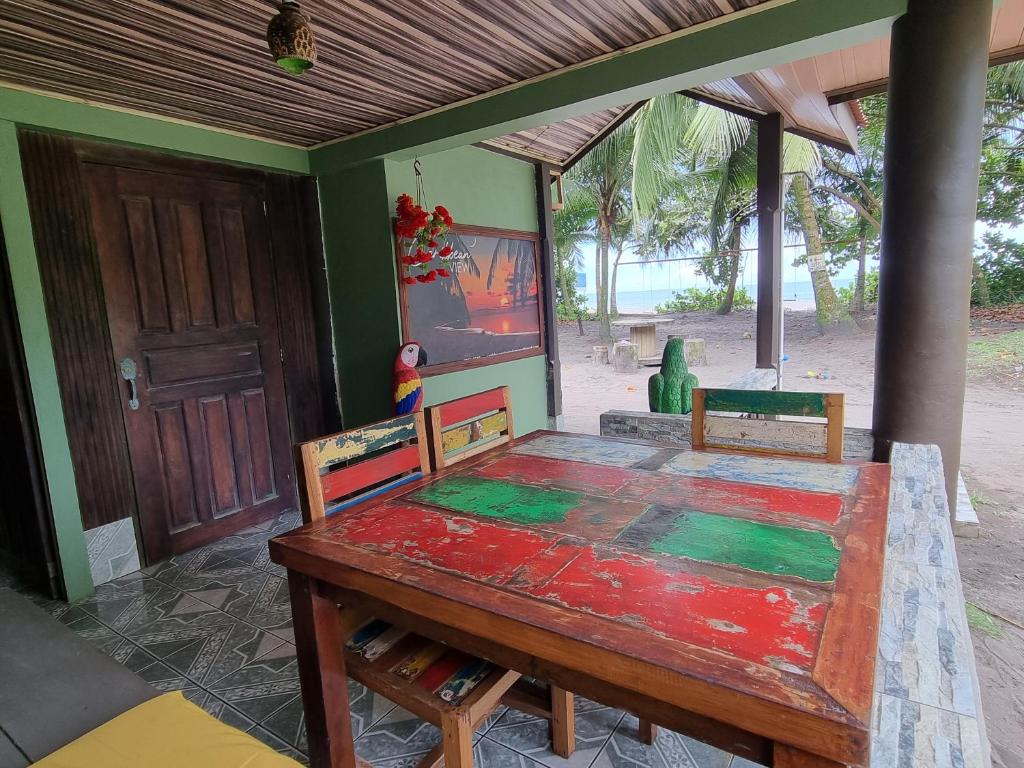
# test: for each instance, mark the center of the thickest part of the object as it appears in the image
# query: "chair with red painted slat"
(440, 684)
(469, 425)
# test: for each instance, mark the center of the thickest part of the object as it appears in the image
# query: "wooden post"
(546, 227)
(939, 55)
(769, 242)
(319, 644)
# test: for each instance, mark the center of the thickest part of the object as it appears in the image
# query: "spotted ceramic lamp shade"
(291, 39)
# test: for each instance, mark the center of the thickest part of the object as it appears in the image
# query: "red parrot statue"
(408, 385)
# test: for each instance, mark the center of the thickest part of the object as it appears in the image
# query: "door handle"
(129, 372)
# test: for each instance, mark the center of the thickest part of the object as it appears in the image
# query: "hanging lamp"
(291, 39)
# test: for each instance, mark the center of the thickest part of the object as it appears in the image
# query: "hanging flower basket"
(426, 254)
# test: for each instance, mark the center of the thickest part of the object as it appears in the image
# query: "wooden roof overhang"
(812, 94)
(382, 69)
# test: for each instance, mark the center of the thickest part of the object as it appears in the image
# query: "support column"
(769, 242)
(939, 55)
(546, 225)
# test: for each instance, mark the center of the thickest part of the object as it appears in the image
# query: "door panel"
(188, 286)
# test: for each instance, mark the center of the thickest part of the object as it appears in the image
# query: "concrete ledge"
(965, 519)
(927, 698)
(674, 429)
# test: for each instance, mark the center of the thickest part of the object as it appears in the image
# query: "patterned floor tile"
(275, 743)
(399, 739)
(670, 750)
(198, 564)
(491, 754)
(531, 736)
(271, 660)
(260, 700)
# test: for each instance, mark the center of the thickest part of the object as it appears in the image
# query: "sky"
(682, 274)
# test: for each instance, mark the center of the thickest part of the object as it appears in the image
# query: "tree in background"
(574, 227)
(602, 175)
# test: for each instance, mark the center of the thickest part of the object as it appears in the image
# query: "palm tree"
(574, 227)
(603, 174)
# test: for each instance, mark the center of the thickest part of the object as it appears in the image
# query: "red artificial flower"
(441, 210)
(445, 252)
(435, 231)
(408, 260)
(443, 273)
(410, 280)
(429, 277)
(432, 244)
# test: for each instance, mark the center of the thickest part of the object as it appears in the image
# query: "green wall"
(479, 187)
(486, 189)
(18, 108)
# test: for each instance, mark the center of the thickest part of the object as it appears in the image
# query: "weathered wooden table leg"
(319, 643)
(563, 722)
(791, 757)
(647, 732)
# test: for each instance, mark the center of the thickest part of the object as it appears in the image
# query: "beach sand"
(992, 566)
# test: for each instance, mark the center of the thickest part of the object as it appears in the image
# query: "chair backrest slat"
(342, 469)
(467, 426)
(817, 439)
(765, 402)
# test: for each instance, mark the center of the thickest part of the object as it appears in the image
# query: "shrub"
(708, 300)
(999, 271)
(845, 294)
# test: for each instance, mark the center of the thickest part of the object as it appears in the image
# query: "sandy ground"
(992, 566)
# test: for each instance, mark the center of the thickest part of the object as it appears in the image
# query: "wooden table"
(733, 598)
(643, 331)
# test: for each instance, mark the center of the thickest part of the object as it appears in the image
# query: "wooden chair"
(821, 438)
(438, 683)
(469, 425)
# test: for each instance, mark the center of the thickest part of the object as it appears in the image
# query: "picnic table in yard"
(643, 331)
(732, 598)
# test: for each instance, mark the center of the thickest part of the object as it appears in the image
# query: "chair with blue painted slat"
(469, 425)
(349, 467)
(437, 682)
(811, 427)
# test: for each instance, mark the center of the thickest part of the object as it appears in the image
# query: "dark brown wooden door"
(190, 301)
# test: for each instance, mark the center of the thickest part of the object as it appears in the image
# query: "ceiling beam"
(766, 35)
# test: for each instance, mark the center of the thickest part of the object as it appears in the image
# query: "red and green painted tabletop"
(760, 574)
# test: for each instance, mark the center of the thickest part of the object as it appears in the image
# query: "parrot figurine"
(408, 385)
(671, 391)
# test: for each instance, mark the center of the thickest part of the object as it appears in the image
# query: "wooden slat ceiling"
(558, 142)
(799, 90)
(206, 61)
(866, 66)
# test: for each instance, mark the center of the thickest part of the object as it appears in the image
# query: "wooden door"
(190, 301)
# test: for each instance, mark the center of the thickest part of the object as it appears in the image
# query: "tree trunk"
(829, 311)
(612, 300)
(734, 270)
(980, 295)
(857, 305)
(603, 321)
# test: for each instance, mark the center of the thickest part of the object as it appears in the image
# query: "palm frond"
(658, 130)
(714, 133)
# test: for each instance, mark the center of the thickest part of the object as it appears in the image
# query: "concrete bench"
(65, 703)
(54, 685)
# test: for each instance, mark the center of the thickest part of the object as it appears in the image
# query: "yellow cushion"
(166, 732)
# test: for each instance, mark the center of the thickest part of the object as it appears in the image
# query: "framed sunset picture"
(488, 311)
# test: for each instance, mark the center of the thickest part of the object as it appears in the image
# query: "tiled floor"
(215, 623)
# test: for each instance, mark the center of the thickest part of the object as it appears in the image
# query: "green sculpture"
(671, 391)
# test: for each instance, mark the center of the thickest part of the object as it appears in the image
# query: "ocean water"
(800, 293)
